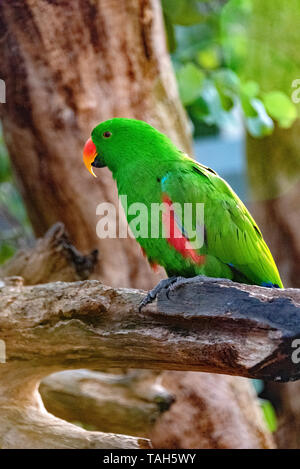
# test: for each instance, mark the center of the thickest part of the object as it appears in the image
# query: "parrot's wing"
(230, 233)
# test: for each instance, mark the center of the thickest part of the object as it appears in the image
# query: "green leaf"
(227, 79)
(208, 108)
(199, 109)
(250, 88)
(280, 107)
(269, 414)
(184, 12)
(209, 58)
(227, 84)
(6, 251)
(258, 122)
(5, 169)
(190, 81)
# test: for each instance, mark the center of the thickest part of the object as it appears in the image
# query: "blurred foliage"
(226, 60)
(274, 42)
(266, 406)
(15, 230)
(269, 414)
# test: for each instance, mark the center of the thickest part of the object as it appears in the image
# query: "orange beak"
(89, 155)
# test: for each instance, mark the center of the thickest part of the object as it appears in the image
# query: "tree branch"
(206, 325)
(128, 403)
(52, 258)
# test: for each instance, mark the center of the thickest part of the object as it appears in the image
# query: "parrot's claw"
(152, 294)
(178, 281)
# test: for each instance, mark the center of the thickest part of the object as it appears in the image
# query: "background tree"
(274, 167)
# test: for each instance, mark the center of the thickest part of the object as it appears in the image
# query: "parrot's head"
(118, 142)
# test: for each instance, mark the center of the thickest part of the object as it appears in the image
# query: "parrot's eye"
(106, 134)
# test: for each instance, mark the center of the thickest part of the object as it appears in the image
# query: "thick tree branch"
(52, 258)
(127, 403)
(206, 325)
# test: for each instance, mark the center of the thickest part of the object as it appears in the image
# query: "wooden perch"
(206, 325)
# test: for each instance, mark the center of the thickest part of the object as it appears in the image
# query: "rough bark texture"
(96, 325)
(126, 403)
(64, 325)
(236, 423)
(68, 66)
(52, 258)
(285, 399)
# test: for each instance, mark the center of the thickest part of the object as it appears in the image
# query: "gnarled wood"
(52, 258)
(128, 403)
(206, 325)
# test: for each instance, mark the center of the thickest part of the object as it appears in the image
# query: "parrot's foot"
(178, 281)
(152, 294)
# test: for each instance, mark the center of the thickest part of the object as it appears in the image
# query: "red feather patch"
(175, 236)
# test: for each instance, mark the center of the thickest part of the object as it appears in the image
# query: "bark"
(68, 66)
(63, 324)
(234, 423)
(285, 399)
(115, 403)
(127, 403)
(52, 258)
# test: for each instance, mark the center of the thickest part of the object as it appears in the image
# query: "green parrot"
(220, 240)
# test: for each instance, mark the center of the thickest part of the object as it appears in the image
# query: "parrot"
(221, 241)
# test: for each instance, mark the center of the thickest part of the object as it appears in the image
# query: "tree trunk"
(234, 423)
(274, 171)
(286, 400)
(68, 66)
